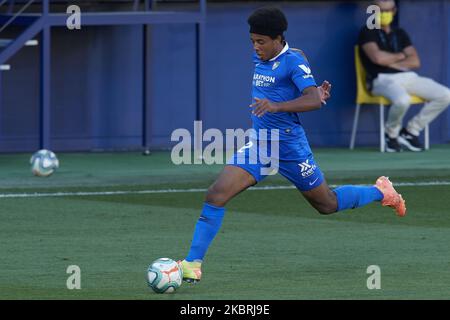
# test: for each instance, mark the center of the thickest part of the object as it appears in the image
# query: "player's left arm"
(312, 99)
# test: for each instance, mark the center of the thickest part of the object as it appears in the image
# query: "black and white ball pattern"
(44, 163)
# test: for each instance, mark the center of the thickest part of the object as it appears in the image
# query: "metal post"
(45, 7)
(355, 127)
(427, 137)
(203, 8)
(45, 90)
(200, 43)
(44, 137)
(146, 126)
(200, 81)
(446, 134)
(382, 132)
(1, 89)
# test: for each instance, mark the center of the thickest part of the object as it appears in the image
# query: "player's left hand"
(325, 91)
(261, 106)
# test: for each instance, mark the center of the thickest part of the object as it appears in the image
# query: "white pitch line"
(126, 192)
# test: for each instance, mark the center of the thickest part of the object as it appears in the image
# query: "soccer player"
(283, 87)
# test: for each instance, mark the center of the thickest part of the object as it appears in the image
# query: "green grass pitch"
(272, 244)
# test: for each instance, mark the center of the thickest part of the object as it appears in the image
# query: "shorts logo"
(307, 169)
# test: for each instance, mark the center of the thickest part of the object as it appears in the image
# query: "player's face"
(265, 47)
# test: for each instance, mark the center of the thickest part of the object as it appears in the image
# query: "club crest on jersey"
(275, 65)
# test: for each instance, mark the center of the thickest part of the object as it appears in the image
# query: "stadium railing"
(131, 12)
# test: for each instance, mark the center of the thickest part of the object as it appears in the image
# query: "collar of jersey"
(286, 48)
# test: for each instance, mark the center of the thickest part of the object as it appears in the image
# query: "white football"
(164, 275)
(44, 163)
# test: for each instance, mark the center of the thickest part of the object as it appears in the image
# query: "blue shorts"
(304, 173)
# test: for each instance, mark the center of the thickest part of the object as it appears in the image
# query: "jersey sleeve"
(300, 73)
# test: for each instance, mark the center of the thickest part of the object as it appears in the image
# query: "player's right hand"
(261, 106)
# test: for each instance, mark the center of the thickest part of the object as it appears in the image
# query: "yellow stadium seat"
(363, 96)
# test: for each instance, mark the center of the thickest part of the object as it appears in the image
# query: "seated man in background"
(388, 57)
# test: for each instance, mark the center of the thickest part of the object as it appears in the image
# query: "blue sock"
(351, 197)
(206, 229)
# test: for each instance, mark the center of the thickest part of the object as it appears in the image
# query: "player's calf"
(326, 209)
(323, 199)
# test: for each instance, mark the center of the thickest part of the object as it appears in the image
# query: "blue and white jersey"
(280, 79)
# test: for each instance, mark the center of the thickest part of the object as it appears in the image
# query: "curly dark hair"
(269, 21)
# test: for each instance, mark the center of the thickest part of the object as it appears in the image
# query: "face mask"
(386, 18)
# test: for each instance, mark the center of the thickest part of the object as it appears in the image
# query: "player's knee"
(216, 196)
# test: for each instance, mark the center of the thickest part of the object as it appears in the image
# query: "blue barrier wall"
(427, 24)
(97, 91)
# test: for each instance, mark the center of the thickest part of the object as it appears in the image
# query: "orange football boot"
(391, 197)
